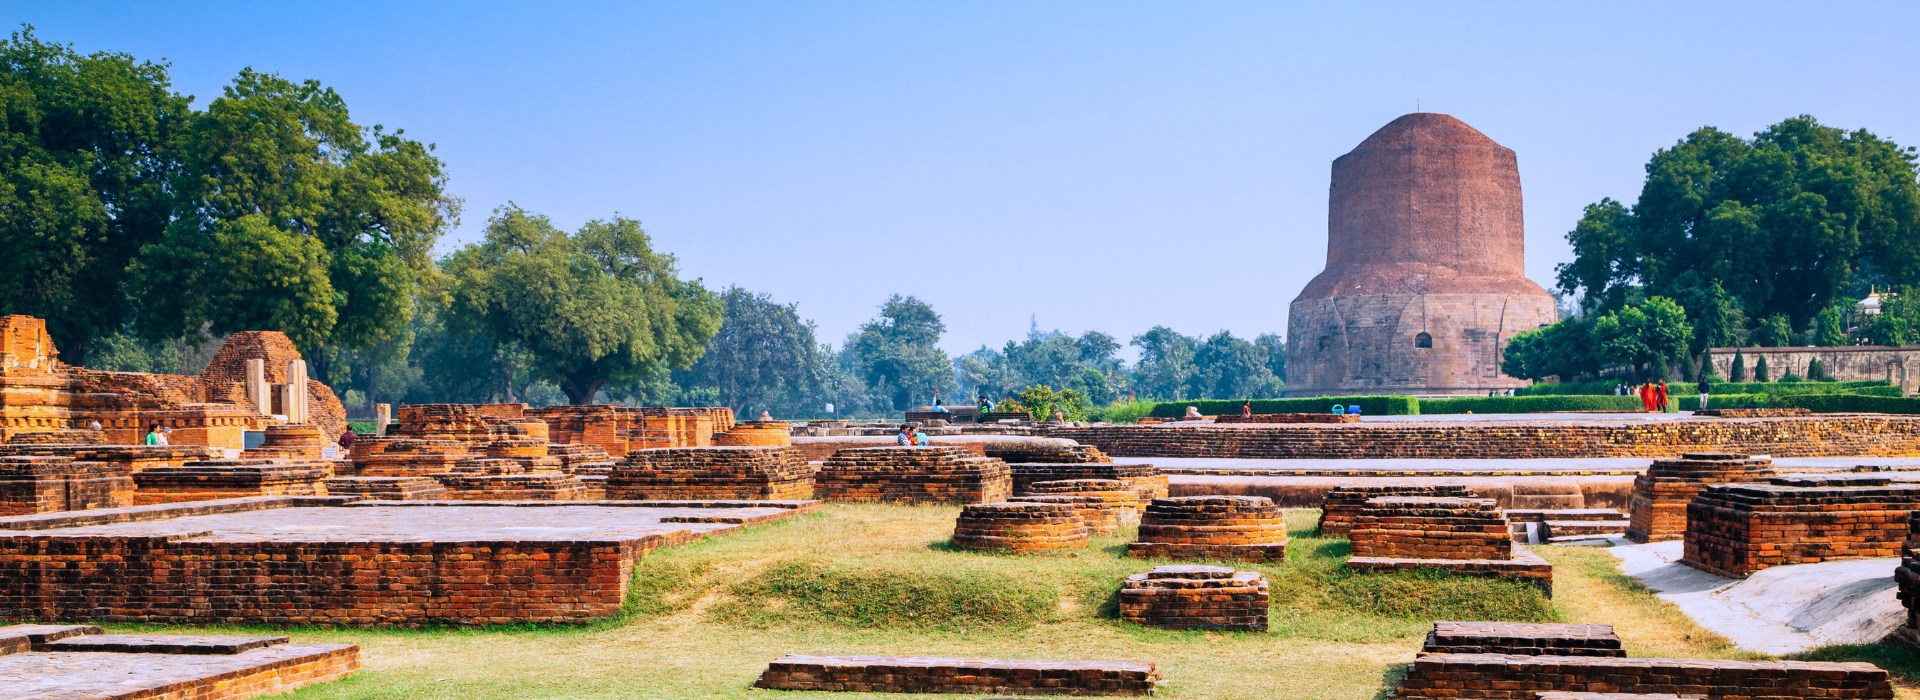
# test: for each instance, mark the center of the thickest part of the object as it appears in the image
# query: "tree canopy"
(589, 308)
(898, 356)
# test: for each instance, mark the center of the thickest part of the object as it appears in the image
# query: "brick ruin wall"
(1822, 436)
(1146, 481)
(1196, 597)
(1344, 502)
(949, 475)
(1524, 639)
(1657, 510)
(1414, 527)
(216, 479)
(1229, 528)
(1735, 530)
(1907, 580)
(1020, 527)
(727, 473)
(30, 485)
(881, 674)
(1514, 677)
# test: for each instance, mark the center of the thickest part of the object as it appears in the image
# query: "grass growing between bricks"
(705, 618)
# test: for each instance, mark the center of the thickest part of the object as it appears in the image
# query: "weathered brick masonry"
(1461, 535)
(1737, 529)
(1196, 597)
(712, 472)
(1523, 638)
(1344, 502)
(215, 479)
(1146, 481)
(1520, 677)
(911, 674)
(1658, 510)
(47, 484)
(1229, 528)
(1020, 527)
(282, 561)
(1907, 578)
(1818, 436)
(949, 475)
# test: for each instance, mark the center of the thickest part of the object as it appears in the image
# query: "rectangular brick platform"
(949, 475)
(1529, 639)
(1459, 535)
(744, 473)
(388, 488)
(1343, 502)
(1144, 478)
(215, 479)
(1737, 529)
(1225, 528)
(47, 484)
(336, 561)
(913, 674)
(49, 662)
(1658, 510)
(1517, 677)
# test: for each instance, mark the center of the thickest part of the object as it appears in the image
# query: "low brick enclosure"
(1459, 535)
(1343, 502)
(1043, 451)
(1145, 480)
(1840, 435)
(1228, 528)
(1321, 418)
(134, 458)
(741, 473)
(949, 475)
(79, 661)
(916, 674)
(1907, 578)
(336, 561)
(1737, 529)
(1196, 597)
(1522, 677)
(1658, 511)
(754, 433)
(1754, 412)
(1020, 527)
(1097, 513)
(1523, 638)
(388, 488)
(31, 485)
(215, 479)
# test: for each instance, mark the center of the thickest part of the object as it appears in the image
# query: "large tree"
(1650, 336)
(1226, 367)
(595, 307)
(1788, 223)
(1166, 363)
(89, 148)
(897, 354)
(293, 218)
(765, 357)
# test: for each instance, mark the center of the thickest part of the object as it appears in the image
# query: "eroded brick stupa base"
(1196, 597)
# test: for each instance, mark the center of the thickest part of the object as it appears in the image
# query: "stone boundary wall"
(1820, 436)
(1514, 677)
(895, 674)
(1855, 363)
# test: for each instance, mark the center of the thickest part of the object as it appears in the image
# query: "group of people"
(911, 436)
(157, 435)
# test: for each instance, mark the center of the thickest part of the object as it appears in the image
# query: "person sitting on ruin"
(166, 436)
(920, 439)
(905, 438)
(766, 416)
(937, 408)
(985, 404)
(153, 435)
(1193, 413)
(1246, 409)
(347, 438)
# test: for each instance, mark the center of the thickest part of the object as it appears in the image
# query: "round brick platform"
(1020, 527)
(1231, 528)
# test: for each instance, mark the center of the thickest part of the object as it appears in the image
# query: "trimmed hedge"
(1369, 405)
(1848, 403)
(1531, 404)
(1873, 387)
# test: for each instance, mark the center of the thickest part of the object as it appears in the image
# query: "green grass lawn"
(706, 618)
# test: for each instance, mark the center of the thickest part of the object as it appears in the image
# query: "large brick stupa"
(1424, 283)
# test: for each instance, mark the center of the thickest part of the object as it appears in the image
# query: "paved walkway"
(1779, 610)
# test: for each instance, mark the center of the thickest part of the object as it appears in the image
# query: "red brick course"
(1020, 527)
(1737, 529)
(746, 473)
(1658, 510)
(950, 475)
(1228, 528)
(1196, 597)
(1516, 677)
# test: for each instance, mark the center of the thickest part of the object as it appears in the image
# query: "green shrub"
(1391, 405)
(1848, 403)
(1122, 412)
(361, 427)
(1717, 401)
(1606, 388)
(1529, 404)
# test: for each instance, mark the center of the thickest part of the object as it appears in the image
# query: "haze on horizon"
(1097, 166)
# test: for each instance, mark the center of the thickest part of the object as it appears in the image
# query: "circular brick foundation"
(1020, 527)
(1230, 528)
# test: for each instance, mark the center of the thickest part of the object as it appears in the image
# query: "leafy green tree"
(1226, 367)
(897, 354)
(593, 308)
(1166, 363)
(765, 357)
(1041, 402)
(1785, 223)
(1649, 336)
(1774, 331)
(341, 216)
(1829, 329)
(1817, 371)
(1275, 348)
(89, 148)
(1562, 349)
(1894, 325)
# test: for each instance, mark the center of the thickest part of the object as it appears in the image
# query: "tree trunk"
(580, 391)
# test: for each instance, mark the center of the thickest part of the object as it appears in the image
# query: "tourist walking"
(1660, 397)
(1704, 387)
(1646, 396)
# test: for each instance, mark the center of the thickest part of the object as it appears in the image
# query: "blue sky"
(1109, 165)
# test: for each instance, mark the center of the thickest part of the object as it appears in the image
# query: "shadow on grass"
(1391, 680)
